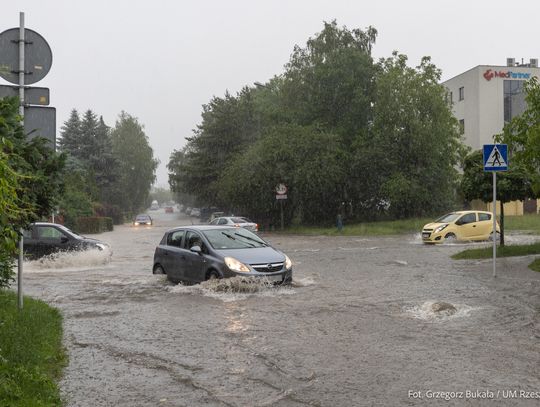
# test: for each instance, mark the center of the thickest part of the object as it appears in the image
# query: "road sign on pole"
(32, 95)
(495, 159)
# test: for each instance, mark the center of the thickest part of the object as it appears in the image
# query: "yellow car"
(461, 225)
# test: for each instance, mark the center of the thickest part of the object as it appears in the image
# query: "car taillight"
(236, 225)
(256, 227)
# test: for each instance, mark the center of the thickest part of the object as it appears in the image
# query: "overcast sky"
(161, 60)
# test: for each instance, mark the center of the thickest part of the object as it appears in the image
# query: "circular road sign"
(281, 189)
(37, 56)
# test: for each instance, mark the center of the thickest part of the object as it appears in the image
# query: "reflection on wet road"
(366, 320)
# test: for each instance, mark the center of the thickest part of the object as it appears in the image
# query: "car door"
(50, 240)
(467, 226)
(173, 255)
(485, 225)
(194, 266)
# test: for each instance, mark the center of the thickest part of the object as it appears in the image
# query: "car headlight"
(236, 265)
(288, 263)
(440, 228)
(101, 246)
(136, 223)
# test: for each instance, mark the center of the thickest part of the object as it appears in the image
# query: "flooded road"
(368, 322)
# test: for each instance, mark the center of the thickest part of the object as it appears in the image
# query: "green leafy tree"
(30, 182)
(305, 159)
(413, 147)
(136, 163)
(514, 184)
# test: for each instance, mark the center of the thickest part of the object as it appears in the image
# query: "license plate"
(274, 278)
(426, 234)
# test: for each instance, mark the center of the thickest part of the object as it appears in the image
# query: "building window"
(462, 126)
(461, 93)
(514, 99)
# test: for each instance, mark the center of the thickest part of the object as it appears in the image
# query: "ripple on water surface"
(439, 311)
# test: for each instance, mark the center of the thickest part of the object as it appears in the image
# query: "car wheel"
(450, 237)
(159, 270)
(212, 275)
(498, 237)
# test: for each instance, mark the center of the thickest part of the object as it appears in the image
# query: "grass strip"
(31, 353)
(380, 228)
(502, 251)
(535, 265)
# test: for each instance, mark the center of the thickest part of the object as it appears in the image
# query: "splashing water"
(234, 289)
(69, 260)
(438, 311)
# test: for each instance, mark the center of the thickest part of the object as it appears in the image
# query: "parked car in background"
(196, 212)
(188, 210)
(169, 209)
(154, 206)
(142, 219)
(43, 239)
(215, 215)
(462, 226)
(237, 221)
(204, 252)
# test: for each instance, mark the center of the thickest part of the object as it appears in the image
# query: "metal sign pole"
(495, 223)
(21, 112)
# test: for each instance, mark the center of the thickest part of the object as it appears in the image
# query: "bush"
(94, 224)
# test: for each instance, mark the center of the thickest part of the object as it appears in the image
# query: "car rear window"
(484, 216)
(239, 220)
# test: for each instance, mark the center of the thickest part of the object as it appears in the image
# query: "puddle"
(439, 311)
(67, 261)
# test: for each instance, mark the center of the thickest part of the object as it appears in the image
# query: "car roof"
(465, 212)
(200, 227)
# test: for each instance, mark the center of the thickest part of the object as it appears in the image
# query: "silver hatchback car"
(202, 252)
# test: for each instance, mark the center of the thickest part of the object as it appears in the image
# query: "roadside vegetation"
(347, 134)
(525, 224)
(381, 228)
(31, 353)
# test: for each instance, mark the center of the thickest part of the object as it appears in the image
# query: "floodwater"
(367, 322)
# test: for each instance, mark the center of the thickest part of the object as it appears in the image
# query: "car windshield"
(223, 238)
(142, 217)
(69, 231)
(449, 217)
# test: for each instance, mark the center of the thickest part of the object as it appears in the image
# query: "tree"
(514, 184)
(102, 162)
(30, 182)
(70, 135)
(136, 163)
(305, 159)
(413, 145)
(522, 135)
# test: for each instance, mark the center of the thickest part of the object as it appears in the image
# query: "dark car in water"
(142, 219)
(202, 252)
(43, 239)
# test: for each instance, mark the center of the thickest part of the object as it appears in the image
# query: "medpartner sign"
(490, 74)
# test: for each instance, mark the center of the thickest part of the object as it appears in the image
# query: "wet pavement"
(358, 327)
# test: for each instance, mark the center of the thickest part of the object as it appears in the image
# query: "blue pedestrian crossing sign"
(495, 157)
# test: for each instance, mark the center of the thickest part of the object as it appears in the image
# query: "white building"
(487, 96)
(484, 98)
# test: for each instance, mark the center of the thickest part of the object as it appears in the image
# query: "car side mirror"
(459, 222)
(196, 249)
(64, 239)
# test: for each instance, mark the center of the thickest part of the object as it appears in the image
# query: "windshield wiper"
(250, 238)
(229, 236)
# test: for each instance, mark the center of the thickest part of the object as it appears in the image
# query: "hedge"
(94, 224)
